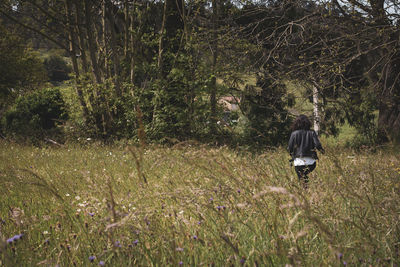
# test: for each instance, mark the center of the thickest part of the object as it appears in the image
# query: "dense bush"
(36, 114)
(266, 119)
(21, 69)
(57, 69)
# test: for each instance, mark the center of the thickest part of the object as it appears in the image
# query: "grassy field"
(193, 205)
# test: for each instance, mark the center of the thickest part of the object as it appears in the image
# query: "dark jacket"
(303, 143)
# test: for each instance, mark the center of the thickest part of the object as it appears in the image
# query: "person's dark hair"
(301, 123)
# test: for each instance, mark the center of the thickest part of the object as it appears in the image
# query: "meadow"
(125, 205)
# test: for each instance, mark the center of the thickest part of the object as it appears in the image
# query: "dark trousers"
(303, 171)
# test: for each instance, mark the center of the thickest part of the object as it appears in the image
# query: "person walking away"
(302, 147)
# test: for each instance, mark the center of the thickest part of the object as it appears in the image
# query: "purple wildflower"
(211, 199)
(243, 260)
(117, 244)
(92, 258)
(102, 263)
(195, 237)
(181, 263)
(91, 214)
(199, 222)
(135, 242)
(344, 263)
(14, 238)
(221, 207)
(340, 256)
(238, 191)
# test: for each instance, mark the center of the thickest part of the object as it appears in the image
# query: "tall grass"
(196, 206)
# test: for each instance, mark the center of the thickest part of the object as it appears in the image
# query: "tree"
(266, 111)
(346, 49)
(214, 62)
(21, 69)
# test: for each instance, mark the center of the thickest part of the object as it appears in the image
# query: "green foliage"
(359, 141)
(171, 108)
(36, 114)
(165, 57)
(21, 69)
(360, 110)
(57, 69)
(109, 116)
(266, 113)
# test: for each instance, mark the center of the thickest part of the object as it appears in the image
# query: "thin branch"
(34, 30)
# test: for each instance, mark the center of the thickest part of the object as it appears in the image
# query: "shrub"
(266, 119)
(57, 69)
(21, 69)
(35, 114)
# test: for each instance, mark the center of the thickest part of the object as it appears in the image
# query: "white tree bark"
(316, 110)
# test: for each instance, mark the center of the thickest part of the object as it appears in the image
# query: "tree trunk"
(81, 35)
(389, 106)
(214, 47)
(105, 45)
(72, 54)
(126, 33)
(91, 43)
(389, 121)
(129, 41)
(133, 53)
(316, 109)
(161, 41)
(114, 49)
(83, 46)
